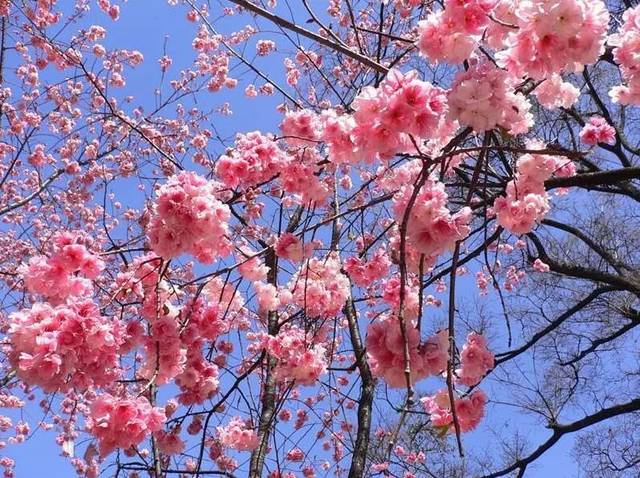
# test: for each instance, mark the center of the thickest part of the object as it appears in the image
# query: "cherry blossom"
(122, 422)
(626, 43)
(238, 435)
(597, 130)
(188, 218)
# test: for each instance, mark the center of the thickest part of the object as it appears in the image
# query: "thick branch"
(600, 178)
(560, 430)
(365, 403)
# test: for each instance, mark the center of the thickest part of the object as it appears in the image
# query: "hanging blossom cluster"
(451, 35)
(319, 287)
(527, 201)
(290, 247)
(174, 347)
(469, 410)
(204, 324)
(431, 227)
(532, 38)
(365, 272)
(67, 272)
(484, 97)
(597, 130)
(122, 422)
(66, 346)
(385, 348)
(301, 356)
(626, 52)
(188, 217)
(554, 37)
(556, 93)
(238, 435)
(475, 360)
(257, 158)
(389, 119)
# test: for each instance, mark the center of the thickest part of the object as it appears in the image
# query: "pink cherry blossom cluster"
(554, 36)
(66, 272)
(169, 443)
(556, 93)
(299, 176)
(385, 120)
(67, 346)
(301, 128)
(319, 287)
(469, 410)
(337, 135)
(363, 273)
(475, 359)
(188, 218)
(484, 97)
(255, 159)
(597, 130)
(164, 355)
(626, 43)
(238, 435)
(122, 422)
(204, 324)
(431, 227)
(391, 296)
(299, 356)
(540, 266)
(251, 266)
(389, 116)
(269, 298)
(527, 201)
(385, 348)
(452, 34)
(290, 247)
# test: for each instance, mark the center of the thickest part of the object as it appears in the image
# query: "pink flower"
(255, 159)
(238, 435)
(295, 454)
(300, 128)
(526, 201)
(68, 346)
(169, 443)
(540, 266)
(299, 358)
(597, 130)
(290, 247)
(476, 360)
(319, 287)
(58, 276)
(469, 411)
(385, 348)
(554, 37)
(252, 269)
(122, 422)
(627, 48)
(188, 218)
(267, 296)
(555, 93)
(364, 273)
(431, 228)
(483, 97)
